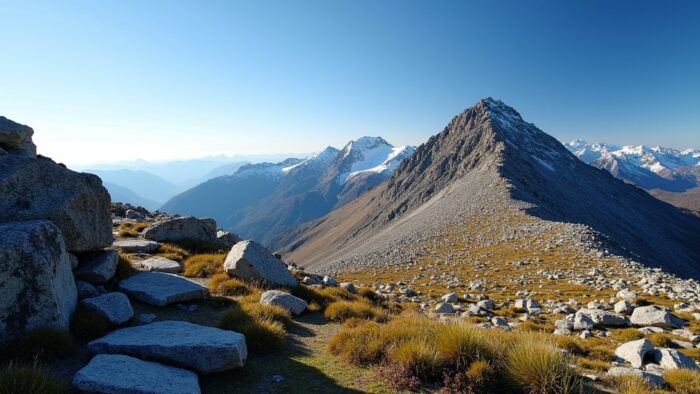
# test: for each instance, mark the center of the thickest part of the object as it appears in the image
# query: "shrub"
(17, 379)
(44, 343)
(341, 310)
(88, 324)
(683, 380)
(204, 265)
(540, 368)
(172, 252)
(225, 285)
(262, 333)
(124, 267)
(627, 335)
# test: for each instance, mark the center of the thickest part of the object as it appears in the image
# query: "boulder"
(563, 327)
(329, 281)
(182, 229)
(633, 352)
(161, 264)
(115, 307)
(113, 373)
(251, 261)
(86, 290)
(627, 295)
(202, 349)
(583, 322)
(39, 189)
(349, 287)
(450, 297)
(654, 315)
(285, 300)
(16, 138)
(37, 288)
(160, 289)
(444, 307)
(97, 268)
(137, 246)
(227, 239)
(131, 214)
(672, 359)
(653, 378)
(486, 304)
(604, 318)
(623, 307)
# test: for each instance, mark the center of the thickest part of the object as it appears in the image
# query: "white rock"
(115, 307)
(349, 287)
(583, 322)
(654, 315)
(623, 307)
(633, 352)
(604, 318)
(182, 228)
(627, 295)
(450, 297)
(203, 349)
(160, 289)
(161, 264)
(285, 300)
(251, 261)
(108, 373)
(672, 359)
(444, 308)
(137, 245)
(329, 281)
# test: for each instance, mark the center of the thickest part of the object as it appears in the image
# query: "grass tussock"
(194, 246)
(204, 265)
(16, 379)
(412, 350)
(124, 267)
(263, 328)
(342, 310)
(44, 344)
(627, 335)
(172, 252)
(131, 230)
(684, 381)
(661, 339)
(594, 365)
(630, 385)
(223, 284)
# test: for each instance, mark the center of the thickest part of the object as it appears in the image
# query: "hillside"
(668, 174)
(489, 163)
(143, 183)
(261, 201)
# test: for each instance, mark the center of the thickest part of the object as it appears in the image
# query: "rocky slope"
(260, 201)
(668, 174)
(489, 162)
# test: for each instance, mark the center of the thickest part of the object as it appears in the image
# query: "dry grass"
(539, 368)
(172, 252)
(18, 379)
(124, 267)
(262, 333)
(630, 385)
(595, 365)
(570, 344)
(272, 312)
(342, 310)
(683, 381)
(627, 335)
(661, 339)
(131, 230)
(223, 284)
(204, 265)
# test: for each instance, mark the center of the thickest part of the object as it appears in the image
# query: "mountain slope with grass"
(263, 200)
(488, 162)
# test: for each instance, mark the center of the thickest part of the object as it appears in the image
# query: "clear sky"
(105, 81)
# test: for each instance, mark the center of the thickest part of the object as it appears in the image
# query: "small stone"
(284, 300)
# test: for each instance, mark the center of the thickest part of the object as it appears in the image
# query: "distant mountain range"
(491, 170)
(259, 201)
(668, 174)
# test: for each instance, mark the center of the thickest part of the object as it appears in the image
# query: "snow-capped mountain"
(261, 200)
(667, 173)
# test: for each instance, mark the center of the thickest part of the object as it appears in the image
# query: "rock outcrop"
(16, 138)
(37, 288)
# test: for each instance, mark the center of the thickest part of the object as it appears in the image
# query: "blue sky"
(105, 81)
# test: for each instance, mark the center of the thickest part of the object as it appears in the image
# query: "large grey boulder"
(16, 138)
(39, 189)
(137, 245)
(583, 322)
(37, 288)
(285, 300)
(203, 349)
(161, 264)
(118, 374)
(115, 307)
(182, 228)
(652, 377)
(672, 359)
(98, 267)
(227, 239)
(604, 318)
(654, 315)
(634, 352)
(160, 289)
(251, 261)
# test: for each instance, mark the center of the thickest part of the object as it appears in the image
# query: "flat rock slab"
(284, 300)
(203, 349)
(137, 246)
(115, 307)
(117, 374)
(161, 289)
(97, 268)
(161, 264)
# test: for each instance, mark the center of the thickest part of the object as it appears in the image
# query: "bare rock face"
(182, 228)
(37, 288)
(249, 260)
(16, 138)
(38, 188)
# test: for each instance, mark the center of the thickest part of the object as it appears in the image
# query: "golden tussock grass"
(204, 265)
